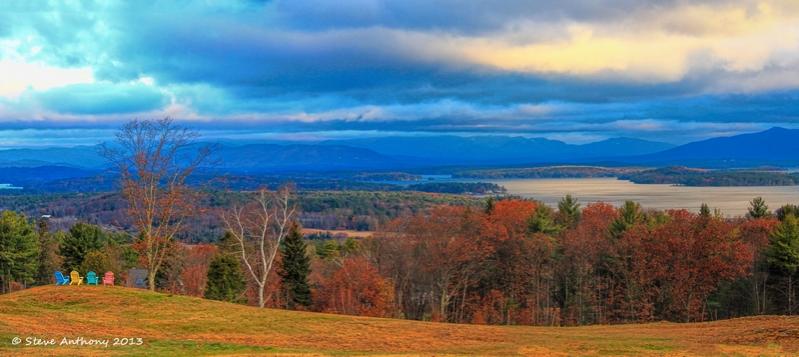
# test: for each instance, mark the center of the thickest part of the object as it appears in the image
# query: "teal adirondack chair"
(91, 278)
(60, 279)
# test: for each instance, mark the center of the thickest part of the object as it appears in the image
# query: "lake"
(733, 201)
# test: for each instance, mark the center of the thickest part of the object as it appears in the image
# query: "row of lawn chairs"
(74, 278)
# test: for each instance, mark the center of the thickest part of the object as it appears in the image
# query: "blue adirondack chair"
(91, 278)
(60, 279)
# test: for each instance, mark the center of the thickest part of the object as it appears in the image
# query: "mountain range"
(776, 146)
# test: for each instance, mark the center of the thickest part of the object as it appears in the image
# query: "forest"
(509, 261)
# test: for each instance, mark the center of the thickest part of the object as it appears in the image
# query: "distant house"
(137, 278)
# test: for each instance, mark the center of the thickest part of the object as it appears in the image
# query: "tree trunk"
(261, 301)
(790, 294)
(151, 279)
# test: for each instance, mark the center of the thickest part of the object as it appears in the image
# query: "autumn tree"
(678, 264)
(259, 227)
(154, 160)
(583, 249)
(19, 250)
(756, 233)
(96, 261)
(357, 289)
(196, 264)
(295, 267)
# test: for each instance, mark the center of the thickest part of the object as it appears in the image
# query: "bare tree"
(154, 159)
(259, 227)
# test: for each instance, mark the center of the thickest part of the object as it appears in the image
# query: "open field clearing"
(336, 232)
(170, 325)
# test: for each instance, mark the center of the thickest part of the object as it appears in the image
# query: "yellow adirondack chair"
(75, 278)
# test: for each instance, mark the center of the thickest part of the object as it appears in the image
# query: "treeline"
(545, 172)
(701, 177)
(480, 188)
(30, 252)
(520, 262)
(509, 261)
(328, 210)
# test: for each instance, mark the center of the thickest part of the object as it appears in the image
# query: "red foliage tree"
(583, 248)
(677, 265)
(195, 271)
(357, 289)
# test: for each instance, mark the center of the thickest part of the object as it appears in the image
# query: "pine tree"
(568, 211)
(295, 269)
(787, 210)
(542, 222)
(225, 279)
(629, 215)
(19, 250)
(704, 210)
(49, 259)
(783, 254)
(82, 239)
(758, 208)
(489, 207)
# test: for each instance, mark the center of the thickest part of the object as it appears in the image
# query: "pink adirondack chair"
(108, 278)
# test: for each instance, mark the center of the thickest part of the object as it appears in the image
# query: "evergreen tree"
(225, 279)
(758, 208)
(783, 255)
(704, 210)
(82, 239)
(49, 259)
(629, 215)
(786, 210)
(542, 221)
(295, 269)
(19, 250)
(568, 211)
(228, 245)
(489, 205)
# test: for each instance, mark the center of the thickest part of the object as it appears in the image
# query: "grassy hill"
(179, 325)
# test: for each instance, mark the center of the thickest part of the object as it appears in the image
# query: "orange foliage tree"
(357, 289)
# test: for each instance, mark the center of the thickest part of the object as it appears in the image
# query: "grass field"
(179, 325)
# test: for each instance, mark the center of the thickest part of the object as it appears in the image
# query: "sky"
(577, 71)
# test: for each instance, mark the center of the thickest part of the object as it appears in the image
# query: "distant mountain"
(776, 146)
(259, 158)
(371, 153)
(28, 175)
(500, 149)
(618, 147)
(78, 156)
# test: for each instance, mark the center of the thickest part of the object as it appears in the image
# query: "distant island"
(674, 175)
(545, 172)
(478, 188)
(701, 177)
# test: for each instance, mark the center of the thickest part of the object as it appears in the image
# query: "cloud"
(102, 98)
(581, 69)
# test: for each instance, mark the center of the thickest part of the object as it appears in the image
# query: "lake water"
(733, 201)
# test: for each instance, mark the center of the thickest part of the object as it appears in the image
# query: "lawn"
(178, 325)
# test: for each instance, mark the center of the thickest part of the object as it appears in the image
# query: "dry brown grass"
(177, 325)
